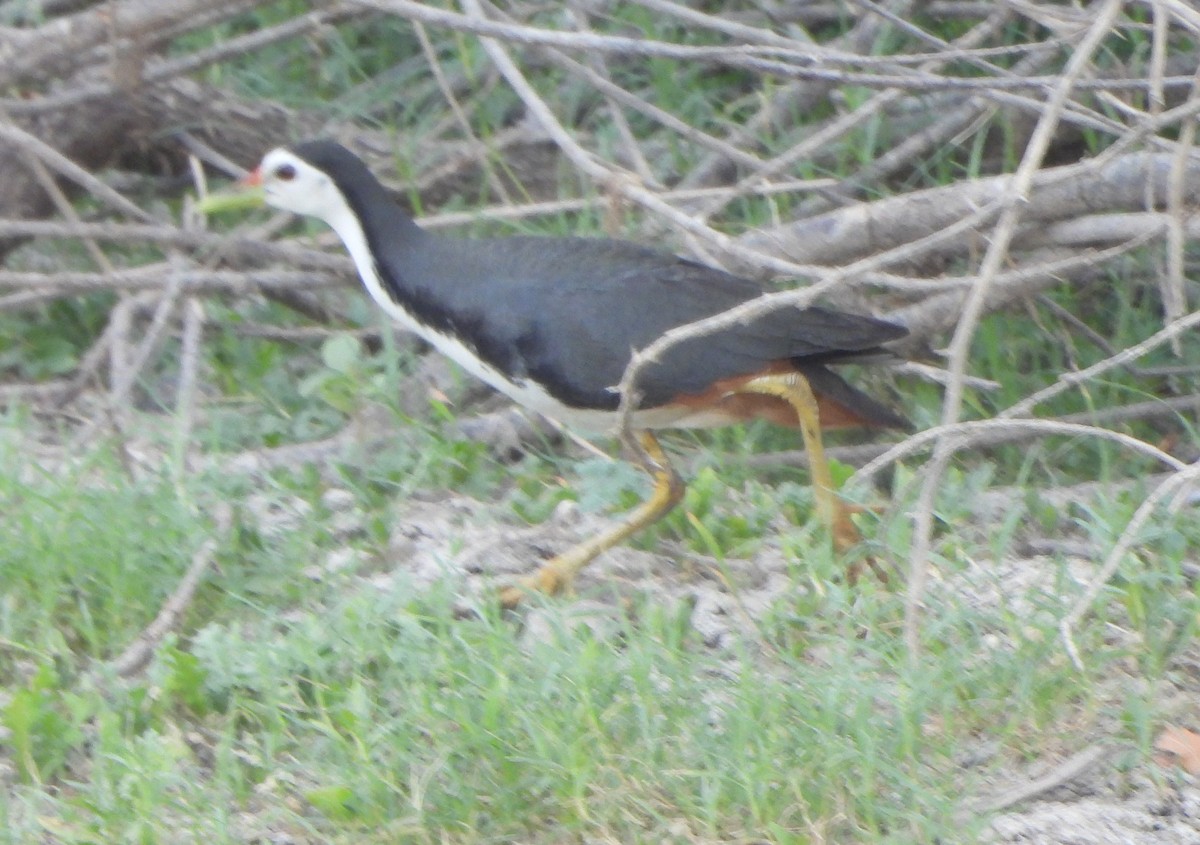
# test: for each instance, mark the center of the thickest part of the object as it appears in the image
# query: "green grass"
(349, 711)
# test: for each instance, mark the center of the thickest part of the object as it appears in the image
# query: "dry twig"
(137, 654)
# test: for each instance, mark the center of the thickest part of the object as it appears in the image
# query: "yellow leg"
(833, 511)
(557, 574)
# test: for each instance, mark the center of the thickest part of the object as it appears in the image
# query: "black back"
(567, 312)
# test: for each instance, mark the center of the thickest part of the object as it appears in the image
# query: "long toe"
(846, 537)
(845, 533)
(549, 580)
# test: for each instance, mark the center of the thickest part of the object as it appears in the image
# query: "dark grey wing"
(575, 337)
(588, 346)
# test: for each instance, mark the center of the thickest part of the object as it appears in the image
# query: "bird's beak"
(253, 179)
(248, 193)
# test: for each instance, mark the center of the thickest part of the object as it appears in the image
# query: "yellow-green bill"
(231, 201)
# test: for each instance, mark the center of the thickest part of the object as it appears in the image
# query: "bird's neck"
(350, 229)
(365, 241)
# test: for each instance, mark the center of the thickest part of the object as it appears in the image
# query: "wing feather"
(568, 312)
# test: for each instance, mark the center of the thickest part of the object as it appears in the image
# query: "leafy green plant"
(42, 728)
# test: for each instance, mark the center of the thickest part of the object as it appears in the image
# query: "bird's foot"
(550, 580)
(846, 537)
(857, 569)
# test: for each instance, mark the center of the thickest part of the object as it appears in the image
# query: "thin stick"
(456, 109)
(1125, 356)
(189, 365)
(1186, 477)
(578, 15)
(164, 70)
(961, 435)
(1172, 284)
(137, 654)
(1065, 772)
(959, 347)
(797, 63)
(62, 165)
(835, 130)
(606, 177)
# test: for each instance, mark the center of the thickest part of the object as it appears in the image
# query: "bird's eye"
(285, 172)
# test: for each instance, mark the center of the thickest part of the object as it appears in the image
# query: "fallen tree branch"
(1125, 184)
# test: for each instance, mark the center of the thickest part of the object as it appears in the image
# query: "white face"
(292, 184)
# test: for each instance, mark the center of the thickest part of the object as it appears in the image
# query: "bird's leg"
(556, 574)
(794, 389)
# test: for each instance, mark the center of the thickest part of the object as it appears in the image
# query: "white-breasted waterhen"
(552, 323)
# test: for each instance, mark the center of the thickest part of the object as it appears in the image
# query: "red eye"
(285, 172)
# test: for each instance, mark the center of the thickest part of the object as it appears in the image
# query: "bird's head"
(291, 183)
(313, 178)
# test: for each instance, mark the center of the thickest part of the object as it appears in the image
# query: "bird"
(553, 322)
